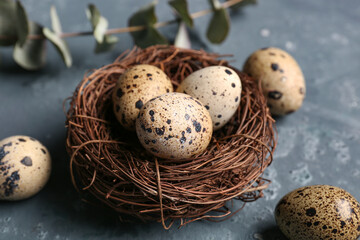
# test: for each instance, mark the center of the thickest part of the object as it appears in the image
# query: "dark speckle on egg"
(3, 153)
(310, 212)
(197, 126)
(276, 95)
(27, 161)
(228, 71)
(139, 104)
(119, 93)
(160, 131)
(274, 66)
(11, 183)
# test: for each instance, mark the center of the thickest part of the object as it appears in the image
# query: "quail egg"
(25, 167)
(218, 88)
(174, 126)
(318, 212)
(134, 88)
(281, 78)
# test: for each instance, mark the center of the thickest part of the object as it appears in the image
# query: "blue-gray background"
(319, 144)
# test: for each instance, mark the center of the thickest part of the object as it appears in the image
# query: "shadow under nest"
(109, 162)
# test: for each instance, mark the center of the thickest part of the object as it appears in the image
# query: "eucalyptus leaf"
(181, 8)
(100, 30)
(55, 21)
(98, 23)
(108, 44)
(22, 24)
(182, 39)
(150, 35)
(93, 14)
(219, 26)
(60, 44)
(32, 54)
(8, 27)
(243, 4)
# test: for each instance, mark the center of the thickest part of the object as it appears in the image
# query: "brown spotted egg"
(218, 88)
(25, 167)
(282, 80)
(135, 87)
(175, 126)
(318, 212)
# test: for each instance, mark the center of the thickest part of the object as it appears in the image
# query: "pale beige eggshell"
(25, 167)
(135, 87)
(218, 88)
(174, 126)
(282, 80)
(319, 212)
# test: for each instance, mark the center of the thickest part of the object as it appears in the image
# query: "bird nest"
(109, 162)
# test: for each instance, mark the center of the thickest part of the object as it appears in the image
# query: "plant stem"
(194, 15)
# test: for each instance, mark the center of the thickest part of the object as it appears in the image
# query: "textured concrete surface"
(319, 144)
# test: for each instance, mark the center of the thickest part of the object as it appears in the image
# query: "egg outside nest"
(110, 164)
(319, 212)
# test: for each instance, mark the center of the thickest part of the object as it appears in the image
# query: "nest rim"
(129, 181)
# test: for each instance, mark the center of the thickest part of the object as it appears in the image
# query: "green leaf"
(60, 44)
(98, 23)
(55, 21)
(8, 27)
(243, 4)
(22, 24)
(149, 35)
(32, 54)
(181, 8)
(219, 26)
(182, 39)
(108, 44)
(93, 15)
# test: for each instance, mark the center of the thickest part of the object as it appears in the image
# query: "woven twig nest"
(109, 162)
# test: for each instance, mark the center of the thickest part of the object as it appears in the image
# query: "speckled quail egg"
(135, 87)
(25, 167)
(174, 125)
(318, 212)
(218, 88)
(281, 79)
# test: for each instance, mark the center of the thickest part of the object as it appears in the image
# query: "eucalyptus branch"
(29, 38)
(194, 15)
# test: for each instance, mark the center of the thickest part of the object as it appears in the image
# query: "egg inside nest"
(174, 125)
